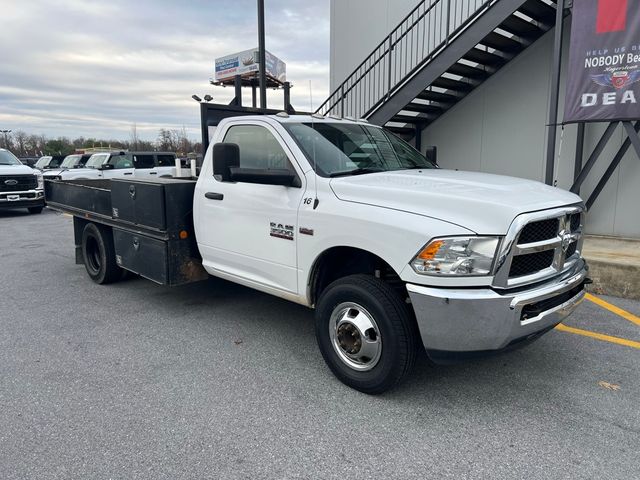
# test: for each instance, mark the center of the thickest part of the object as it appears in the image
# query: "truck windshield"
(70, 161)
(7, 158)
(349, 149)
(96, 160)
(43, 162)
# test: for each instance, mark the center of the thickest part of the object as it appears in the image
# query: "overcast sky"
(94, 68)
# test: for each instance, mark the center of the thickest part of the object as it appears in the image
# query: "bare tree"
(20, 143)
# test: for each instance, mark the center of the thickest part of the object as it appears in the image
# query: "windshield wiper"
(356, 171)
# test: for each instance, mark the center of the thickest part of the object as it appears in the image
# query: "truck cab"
(318, 209)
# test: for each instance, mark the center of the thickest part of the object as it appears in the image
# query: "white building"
(500, 126)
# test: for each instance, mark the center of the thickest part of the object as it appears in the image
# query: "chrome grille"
(538, 231)
(539, 245)
(17, 183)
(528, 264)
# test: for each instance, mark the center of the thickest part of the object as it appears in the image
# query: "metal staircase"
(437, 55)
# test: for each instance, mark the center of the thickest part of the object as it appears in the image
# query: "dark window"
(144, 161)
(166, 160)
(258, 147)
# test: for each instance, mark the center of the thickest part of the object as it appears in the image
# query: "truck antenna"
(313, 143)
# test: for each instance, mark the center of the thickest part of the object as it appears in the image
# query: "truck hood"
(56, 171)
(16, 170)
(481, 202)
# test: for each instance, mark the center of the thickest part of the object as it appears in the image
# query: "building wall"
(500, 127)
(357, 26)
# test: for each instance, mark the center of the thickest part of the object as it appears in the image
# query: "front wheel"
(366, 333)
(35, 210)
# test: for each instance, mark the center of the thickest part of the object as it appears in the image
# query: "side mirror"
(225, 157)
(432, 154)
(106, 166)
(274, 176)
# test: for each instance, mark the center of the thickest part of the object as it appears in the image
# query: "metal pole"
(262, 56)
(554, 93)
(238, 88)
(577, 167)
(287, 97)
(254, 98)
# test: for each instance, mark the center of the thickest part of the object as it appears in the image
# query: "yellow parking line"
(599, 336)
(612, 308)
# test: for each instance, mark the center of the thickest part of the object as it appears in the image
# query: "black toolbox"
(163, 204)
(155, 236)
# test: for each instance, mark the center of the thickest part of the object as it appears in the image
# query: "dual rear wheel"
(99, 254)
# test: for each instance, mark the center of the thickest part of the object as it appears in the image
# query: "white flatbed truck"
(394, 254)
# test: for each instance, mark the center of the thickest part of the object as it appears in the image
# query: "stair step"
(409, 119)
(484, 58)
(468, 71)
(408, 132)
(539, 11)
(449, 84)
(422, 108)
(517, 26)
(437, 97)
(502, 43)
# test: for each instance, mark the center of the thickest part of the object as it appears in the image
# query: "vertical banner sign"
(604, 61)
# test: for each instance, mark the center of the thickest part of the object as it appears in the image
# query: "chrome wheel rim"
(355, 336)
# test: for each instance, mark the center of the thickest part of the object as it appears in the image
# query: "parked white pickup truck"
(394, 254)
(20, 185)
(117, 164)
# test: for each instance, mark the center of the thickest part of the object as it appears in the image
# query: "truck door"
(165, 164)
(122, 166)
(144, 164)
(248, 231)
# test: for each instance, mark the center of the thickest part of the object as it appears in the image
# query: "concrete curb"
(614, 266)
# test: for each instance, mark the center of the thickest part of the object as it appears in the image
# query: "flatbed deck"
(150, 220)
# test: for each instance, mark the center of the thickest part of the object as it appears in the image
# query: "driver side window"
(258, 147)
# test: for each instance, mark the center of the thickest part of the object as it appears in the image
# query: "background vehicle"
(120, 163)
(20, 185)
(76, 160)
(49, 161)
(394, 254)
(28, 161)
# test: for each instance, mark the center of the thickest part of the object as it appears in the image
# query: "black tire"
(99, 254)
(399, 338)
(35, 210)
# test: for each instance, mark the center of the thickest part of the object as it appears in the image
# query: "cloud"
(93, 68)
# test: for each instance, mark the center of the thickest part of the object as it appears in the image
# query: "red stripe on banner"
(612, 16)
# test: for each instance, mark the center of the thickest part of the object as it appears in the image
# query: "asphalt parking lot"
(214, 380)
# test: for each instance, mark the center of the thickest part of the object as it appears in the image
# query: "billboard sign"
(246, 64)
(604, 61)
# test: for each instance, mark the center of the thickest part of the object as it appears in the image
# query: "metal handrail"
(419, 37)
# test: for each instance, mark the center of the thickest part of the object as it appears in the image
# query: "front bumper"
(478, 320)
(26, 199)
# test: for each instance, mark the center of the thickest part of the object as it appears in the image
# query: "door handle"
(153, 173)
(128, 173)
(214, 196)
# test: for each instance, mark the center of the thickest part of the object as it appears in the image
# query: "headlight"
(40, 182)
(457, 256)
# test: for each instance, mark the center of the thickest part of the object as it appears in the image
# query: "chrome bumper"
(471, 320)
(26, 198)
